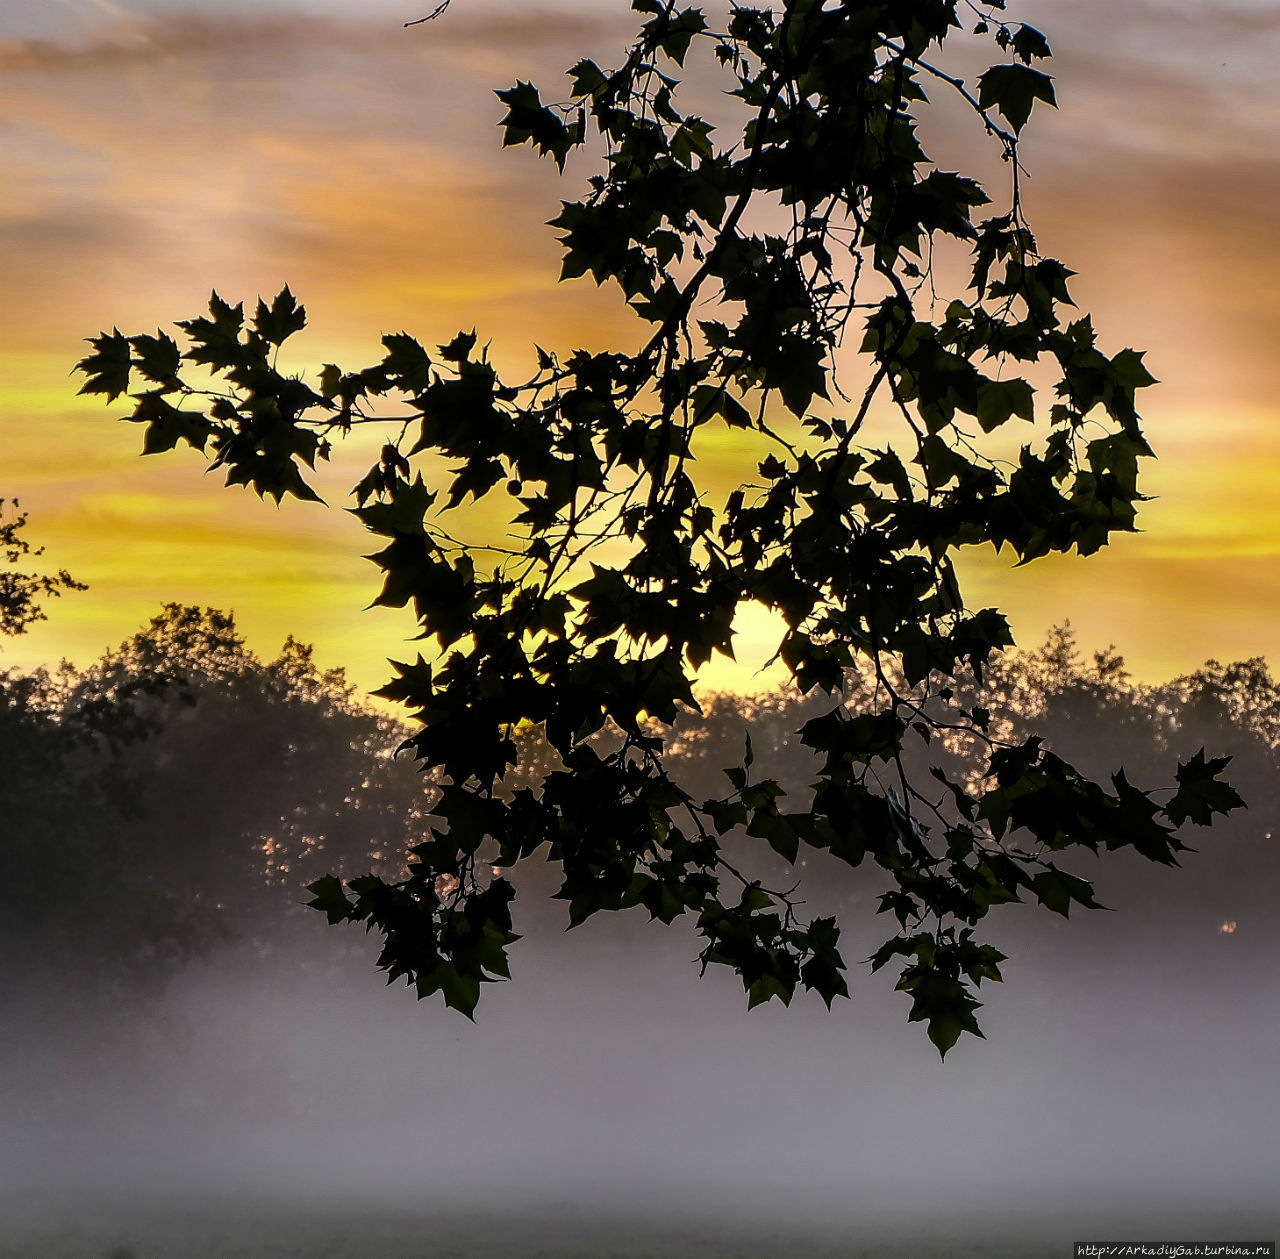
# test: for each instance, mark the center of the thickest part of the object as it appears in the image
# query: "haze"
(1115, 1092)
(274, 1099)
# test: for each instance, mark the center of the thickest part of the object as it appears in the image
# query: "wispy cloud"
(165, 155)
(127, 40)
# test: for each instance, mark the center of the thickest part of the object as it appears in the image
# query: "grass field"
(200, 1240)
(279, 1233)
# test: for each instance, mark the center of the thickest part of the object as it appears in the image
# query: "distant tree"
(84, 899)
(1092, 713)
(618, 577)
(259, 776)
(179, 793)
(22, 594)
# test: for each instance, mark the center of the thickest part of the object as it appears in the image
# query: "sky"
(157, 149)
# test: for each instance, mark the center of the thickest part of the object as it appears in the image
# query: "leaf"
(461, 991)
(1055, 890)
(108, 366)
(941, 1000)
(529, 120)
(712, 400)
(407, 365)
(216, 340)
(765, 989)
(587, 78)
(998, 400)
(330, 899)
(1013, 89)
(676, 30)
(770, 825)
(157, 358)
(801, 372)
(459, 349)
(1200, 795)
(282, 319)
(1030, 44)
(946, 1028)
(167, 425)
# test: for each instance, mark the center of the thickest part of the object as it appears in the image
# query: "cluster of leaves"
(622, 578)
(1091, 714)
(21, 593)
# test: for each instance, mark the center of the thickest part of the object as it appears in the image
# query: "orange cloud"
(361, 164)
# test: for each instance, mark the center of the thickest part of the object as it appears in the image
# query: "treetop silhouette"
(748, 251)
(22, 594)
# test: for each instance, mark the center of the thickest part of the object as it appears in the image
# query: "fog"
(272, 1096)
(1128, 1079)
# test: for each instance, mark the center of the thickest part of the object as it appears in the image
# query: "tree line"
(181, 793)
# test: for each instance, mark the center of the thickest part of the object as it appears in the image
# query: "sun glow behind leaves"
(174, 156)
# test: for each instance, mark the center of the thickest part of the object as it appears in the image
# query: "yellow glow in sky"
(150, 159)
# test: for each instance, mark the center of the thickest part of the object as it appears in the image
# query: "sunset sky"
(156, 150)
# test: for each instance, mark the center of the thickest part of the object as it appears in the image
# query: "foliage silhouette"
(745, 260)
(21, 594)
(1092, 714)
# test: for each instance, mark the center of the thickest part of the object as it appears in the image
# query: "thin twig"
(435, 13)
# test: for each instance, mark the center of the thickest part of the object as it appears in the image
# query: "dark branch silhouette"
(747, 260)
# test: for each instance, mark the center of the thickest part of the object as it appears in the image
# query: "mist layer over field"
(1128, 1077)
(270, 1096)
